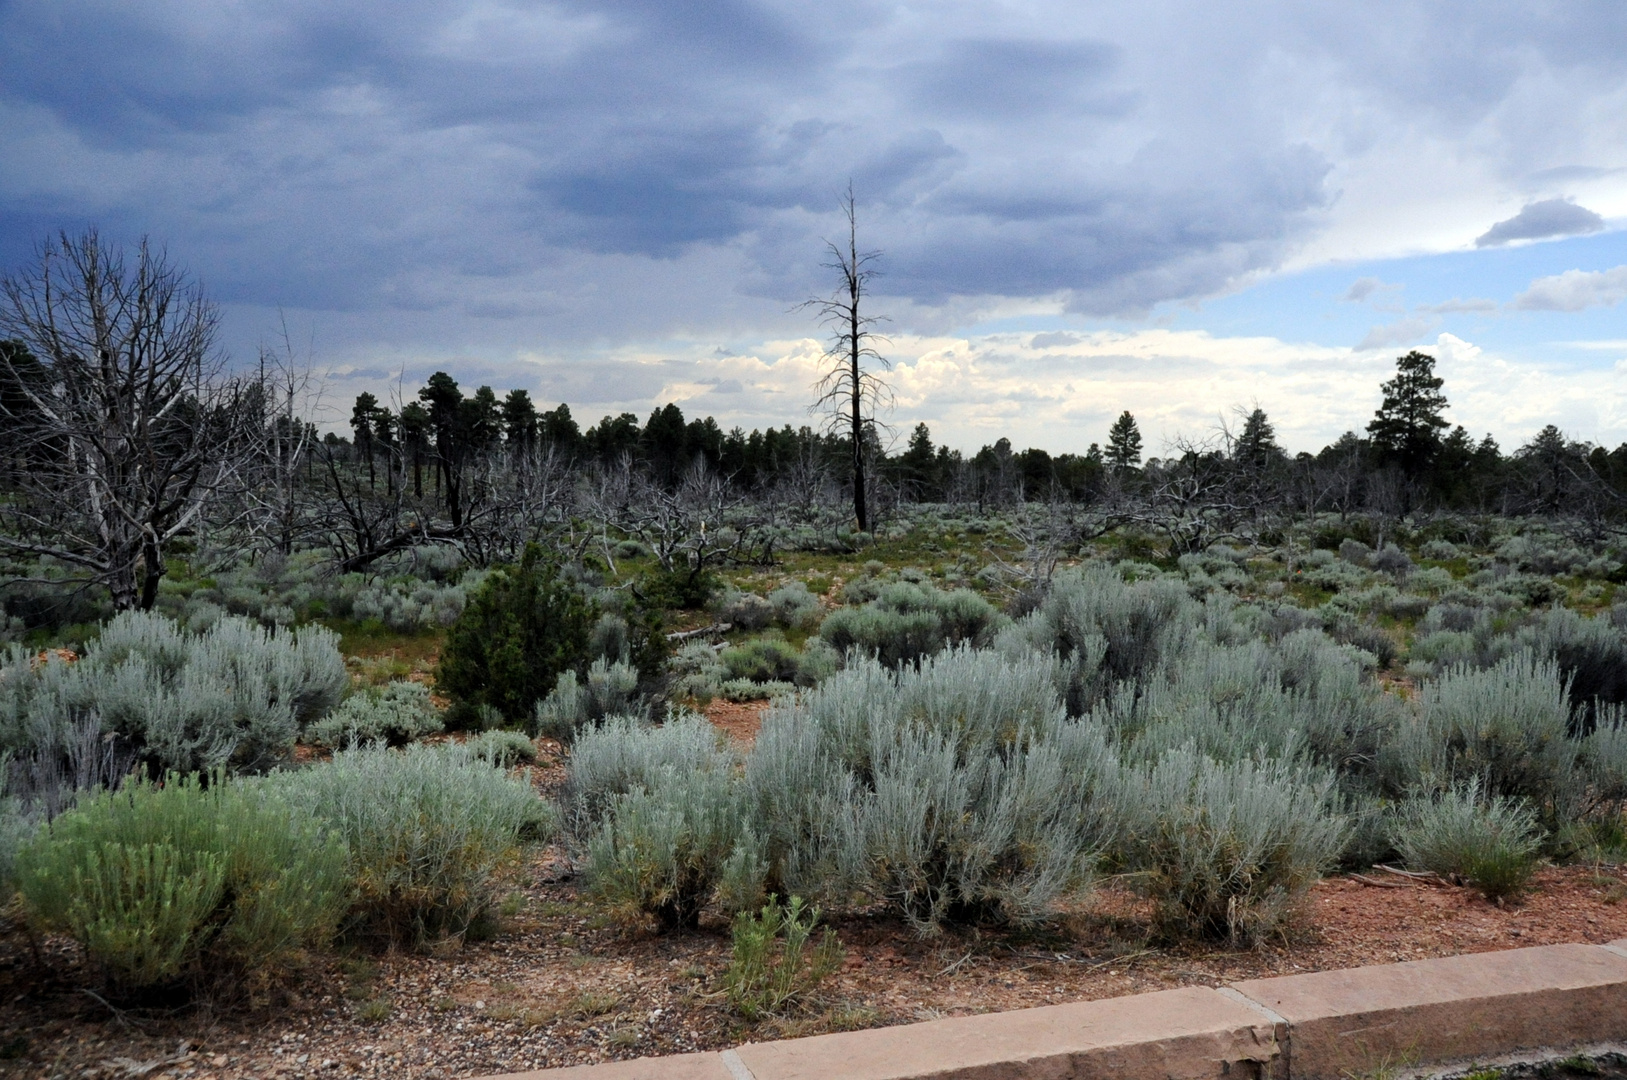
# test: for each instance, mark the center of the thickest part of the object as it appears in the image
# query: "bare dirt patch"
(739, 719)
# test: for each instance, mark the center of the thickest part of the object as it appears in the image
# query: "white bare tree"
(120, 422)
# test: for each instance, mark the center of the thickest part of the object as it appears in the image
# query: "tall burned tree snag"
(850, 389)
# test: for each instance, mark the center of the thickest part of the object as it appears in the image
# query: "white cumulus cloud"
(1575, 290)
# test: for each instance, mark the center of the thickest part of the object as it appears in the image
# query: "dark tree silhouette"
(363, 418)
(850, 390)
(1406, 429)
(1124, 442)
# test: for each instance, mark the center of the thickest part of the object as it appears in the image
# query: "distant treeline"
(1408, 453)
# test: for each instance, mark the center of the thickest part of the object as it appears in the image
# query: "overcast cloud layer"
(478, 183)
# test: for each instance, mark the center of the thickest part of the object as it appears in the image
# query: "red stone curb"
(1321, 1026)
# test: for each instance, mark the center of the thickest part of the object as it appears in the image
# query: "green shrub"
(234, 695)
(686, 588)
(745, 611)
(893, 637)
(624, 753)
(520, 631)
(697, 672)
(1590, 655)
(794, 607)
(746, 690)
(667, 851)
(819, 661)
(186, 883)
(412, 605)
(1230, 849)
(658, 811)
(1506, 727)
(1442, 649)
(954, 792)
(1305, 698)
(903, 621)
(572, 705)
(395, 714)
(16, 826)
(762, 659)
(1490, 843)
(500, 749)
(774, 961)
(1604, 753)
(1106, 631)
(432, 834)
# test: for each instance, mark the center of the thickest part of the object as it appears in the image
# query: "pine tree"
(519, 422)
(1257, 443)
(361, 423)
(559, 429)
(1124, 443)
(918, 459)
(1406, 429)
(415, 428)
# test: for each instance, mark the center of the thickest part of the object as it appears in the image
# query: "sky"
(1182, 209)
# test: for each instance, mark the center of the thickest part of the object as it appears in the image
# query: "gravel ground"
(557, 988)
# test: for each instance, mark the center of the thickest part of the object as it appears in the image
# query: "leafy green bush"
(395, 714)
(697, 671)
(1490, 843)
(1604, 753)
(1106, 631)
(772, 964)
(16, 826)
(1439, 550)
(520, 631)
(905, 621)
(181, 882)
(432, 834)
(1305, 698)
(1230, 849)
(1391, 560)
(658, 811)
(411, 605)
(1441, 649)
(1590, 654)
(745, 611)
(819, 661)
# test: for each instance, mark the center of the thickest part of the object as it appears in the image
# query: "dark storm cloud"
(1016, 79)
(635, 166)
(1541, 220)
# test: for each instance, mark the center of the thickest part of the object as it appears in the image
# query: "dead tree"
(850, 390)
(122, 410)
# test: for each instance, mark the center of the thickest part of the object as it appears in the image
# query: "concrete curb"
(1329, 1024)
